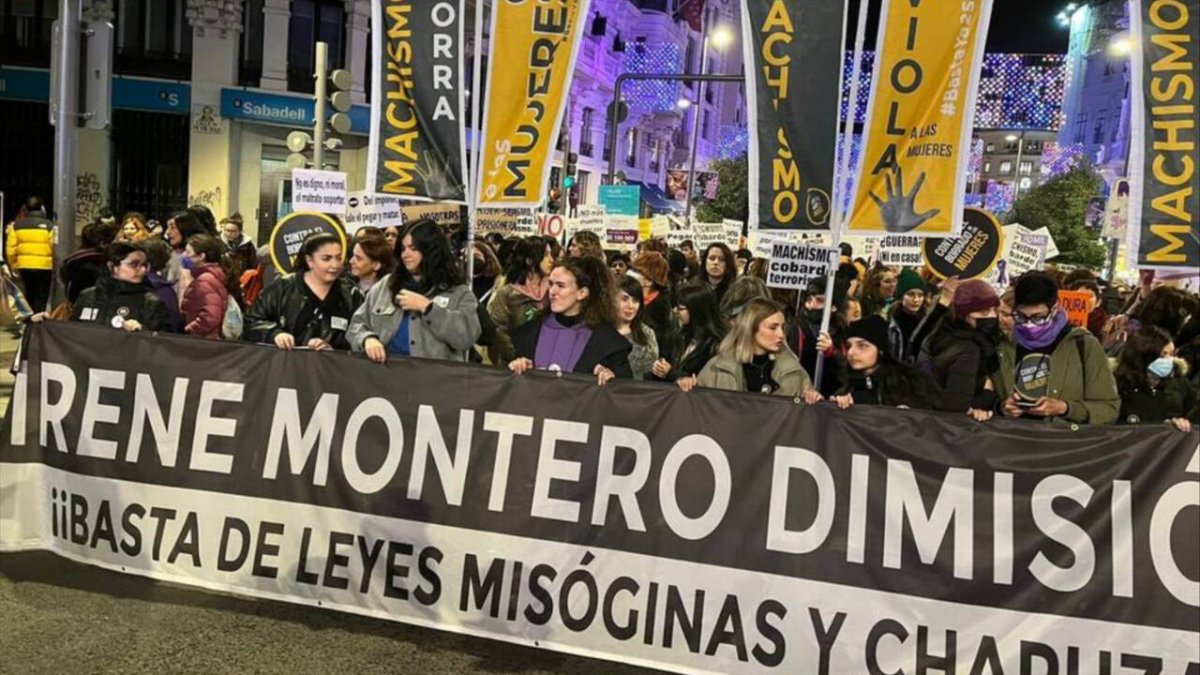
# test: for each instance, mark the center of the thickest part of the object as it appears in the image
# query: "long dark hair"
(704, 314)
(1139, 351)
(439, 267)
(216, 252)
(189, 225)
(633, 288)
(730, 264)
(899, 382)
(600, 307)
(312, 244)
(525, 259)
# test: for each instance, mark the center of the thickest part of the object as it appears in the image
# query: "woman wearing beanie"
(579, 336)
(906, 315)
(875, 377)
(651, 269)
(1054, 370)
(963, 354)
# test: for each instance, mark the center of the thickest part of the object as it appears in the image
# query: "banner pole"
(476, 148)
(843, 168)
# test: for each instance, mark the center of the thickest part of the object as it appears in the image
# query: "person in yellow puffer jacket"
(29, 251)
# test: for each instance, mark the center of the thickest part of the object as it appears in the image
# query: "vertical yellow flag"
(916, 143)
(534, 44)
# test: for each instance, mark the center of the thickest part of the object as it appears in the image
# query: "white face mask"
(1162, 367)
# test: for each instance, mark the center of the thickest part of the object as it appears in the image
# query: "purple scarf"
(559, 345)
(1033, 337)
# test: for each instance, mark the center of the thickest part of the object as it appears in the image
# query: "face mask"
(1162, 367)
(1030, 336)
(814, 316)
(988, 326)
(187, 263)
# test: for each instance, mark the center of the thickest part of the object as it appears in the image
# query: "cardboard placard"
(319, 191)
(972, 254)
(367, 209)
(287, 238)
(901, 250)
(1077, 305)
(794, 266)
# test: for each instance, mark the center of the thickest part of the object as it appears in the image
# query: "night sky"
(1017, 26)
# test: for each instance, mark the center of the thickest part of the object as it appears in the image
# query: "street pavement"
(61, 617)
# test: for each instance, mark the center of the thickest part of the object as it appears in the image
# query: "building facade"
(206, 93)
(1096, 104)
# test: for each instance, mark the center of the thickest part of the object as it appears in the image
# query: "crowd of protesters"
(693, 317)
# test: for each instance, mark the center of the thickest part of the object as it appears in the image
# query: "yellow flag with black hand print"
(916, 142)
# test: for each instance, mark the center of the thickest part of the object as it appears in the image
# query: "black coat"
(111, 298)
(1174, 397)
(894, 384)
(288, 306)
(81, 270)
(659, 318)
(961, 360)
(606, 348)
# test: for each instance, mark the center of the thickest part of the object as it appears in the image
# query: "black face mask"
(989, 326)
(814, 315)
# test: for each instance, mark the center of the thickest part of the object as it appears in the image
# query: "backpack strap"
(1079, 347)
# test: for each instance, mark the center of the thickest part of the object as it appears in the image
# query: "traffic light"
(339, 81)
(572, 167)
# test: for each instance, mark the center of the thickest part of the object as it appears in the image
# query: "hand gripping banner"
(701, 532)
(794, 49)
(1164, 200)
(418, 137)
(917, 138)
(531, 62)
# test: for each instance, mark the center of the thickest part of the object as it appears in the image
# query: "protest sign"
(590, 218)
(970, 255)
(675, 238)
(529, 77)
(707, 532)
(442, 213)
(899, 250)
(794, 266)
(319, 191)
(793, 54)
(365, 209)
(508, 222)
(1164, 202)
(551, 224)
(917, 136)
(289, 234)
(418, 146)
(1077, 305)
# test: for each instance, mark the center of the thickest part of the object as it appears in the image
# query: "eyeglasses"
(1024, 319)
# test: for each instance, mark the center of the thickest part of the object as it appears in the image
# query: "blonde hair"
(740, 341)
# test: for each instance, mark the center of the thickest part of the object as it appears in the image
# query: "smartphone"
(1022, 403)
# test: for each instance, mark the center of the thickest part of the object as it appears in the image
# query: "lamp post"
(720, 38)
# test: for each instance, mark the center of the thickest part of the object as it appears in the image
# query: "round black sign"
(1032, 379)
(290, 232)
(970, 255)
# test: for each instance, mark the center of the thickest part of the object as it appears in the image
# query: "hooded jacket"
(1079, 375)
(111, 298)
(81, 270)
(446, 331)
(961, 360)
(205, 301)
(284, 307)
(724, 372)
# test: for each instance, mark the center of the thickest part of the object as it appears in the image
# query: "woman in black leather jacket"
(311, 307)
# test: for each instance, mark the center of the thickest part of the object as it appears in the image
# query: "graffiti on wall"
(210, 198)
(89, 198)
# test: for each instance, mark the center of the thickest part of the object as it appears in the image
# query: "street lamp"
(720, 37)
(683, 103)
(1121, 46)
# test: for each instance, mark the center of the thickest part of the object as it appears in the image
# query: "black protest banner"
(795, 51)
(702, 532)
(289, 234)
(970, 255)
(418, 142)
(1164, 202)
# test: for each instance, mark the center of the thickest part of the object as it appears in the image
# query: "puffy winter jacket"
(288, 306)
(111, 299)
(205, 300)
(165, 291)
(30, 244)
